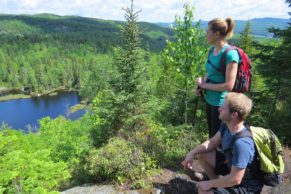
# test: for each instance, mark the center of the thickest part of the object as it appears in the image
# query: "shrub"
(168, 145)
(25, 168)
(119, 160)
(68, 140)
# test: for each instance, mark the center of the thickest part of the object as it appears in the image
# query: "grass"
(77, 107)
(13, 97)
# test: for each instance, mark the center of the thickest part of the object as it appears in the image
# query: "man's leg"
(207, 161)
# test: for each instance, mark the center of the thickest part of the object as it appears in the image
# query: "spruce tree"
(130, 86)
(121, 108)
(274, 66)
(246, 38)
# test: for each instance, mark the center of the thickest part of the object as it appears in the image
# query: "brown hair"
(224, 27)
(240, 103)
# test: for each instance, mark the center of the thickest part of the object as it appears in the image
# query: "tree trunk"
(186, 103)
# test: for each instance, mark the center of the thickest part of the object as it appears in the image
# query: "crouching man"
(228, 167)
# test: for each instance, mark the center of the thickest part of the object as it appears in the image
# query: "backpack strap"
(223, 58)
(241, 134)
(208, 60)
(223, 64)
(252, 168)
(244, 133)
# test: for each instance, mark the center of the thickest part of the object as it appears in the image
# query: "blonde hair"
(224, 27)
(240, 103)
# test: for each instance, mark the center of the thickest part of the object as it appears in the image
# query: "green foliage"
(132, 130)
(17, 27)
(26, 167)
(246, 39)
(272, 100)
(168, 145)
(45, 161)
(155, 34)
(120, 161)
(104, 117)
(97, 77)
(183, 60)
(67, 140)
(122, 106)
(46, 66)
(63, 51)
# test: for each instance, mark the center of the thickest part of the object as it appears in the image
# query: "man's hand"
(199, 81)
(188, 161)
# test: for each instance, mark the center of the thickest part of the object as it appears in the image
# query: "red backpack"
(244, 74)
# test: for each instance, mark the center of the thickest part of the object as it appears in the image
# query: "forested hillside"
(104, 34)
(48, 51)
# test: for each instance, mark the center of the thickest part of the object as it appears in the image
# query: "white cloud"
(152, 10)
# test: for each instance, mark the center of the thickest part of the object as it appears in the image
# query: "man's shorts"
(233, 190)
(222, 169)
(221, 163)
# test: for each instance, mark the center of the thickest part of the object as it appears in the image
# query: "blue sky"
(152, 10)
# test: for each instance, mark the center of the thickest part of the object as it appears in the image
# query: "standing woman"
(215, 84)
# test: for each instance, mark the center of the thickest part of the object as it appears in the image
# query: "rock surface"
(95, 189)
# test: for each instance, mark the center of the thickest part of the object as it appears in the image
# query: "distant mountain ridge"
(259, 26)
(79, 29)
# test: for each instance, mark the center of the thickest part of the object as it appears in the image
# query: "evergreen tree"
(122, 108)
(246, 38)
(130, 86)
(246, 42)
(275, 60)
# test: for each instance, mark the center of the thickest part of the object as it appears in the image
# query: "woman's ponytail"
(224, 27)
(230, 26)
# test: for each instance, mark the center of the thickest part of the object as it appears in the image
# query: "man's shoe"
(182, 185)
(198, 176)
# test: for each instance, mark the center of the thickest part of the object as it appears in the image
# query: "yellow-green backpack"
(269, 154)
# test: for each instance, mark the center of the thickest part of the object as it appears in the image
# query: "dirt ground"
(166, 176)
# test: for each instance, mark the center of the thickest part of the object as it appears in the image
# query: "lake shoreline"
(7, 94)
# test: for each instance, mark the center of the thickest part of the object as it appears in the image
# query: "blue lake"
(25, 113)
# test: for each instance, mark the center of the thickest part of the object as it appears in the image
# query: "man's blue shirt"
(243, 150)
(240, 155)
